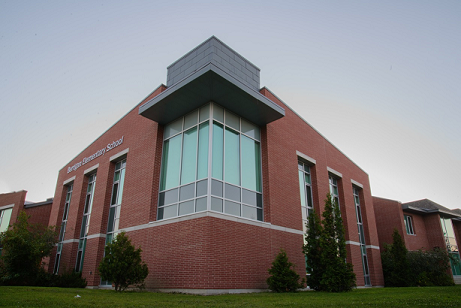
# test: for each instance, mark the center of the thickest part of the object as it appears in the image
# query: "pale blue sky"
(379, 79)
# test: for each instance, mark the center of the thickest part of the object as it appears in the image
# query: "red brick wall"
(389, 215)
(208, 252)
(435, 233)
(17, 198)
(419, 239)
(39, 214)
(427, 228)
(290, 134)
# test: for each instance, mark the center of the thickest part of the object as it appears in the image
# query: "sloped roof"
(426, 206)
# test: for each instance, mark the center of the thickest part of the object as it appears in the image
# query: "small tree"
(338, 275)
(283, 278)
(325, 251)
(314, 265)
(24, 247)
(122, 264)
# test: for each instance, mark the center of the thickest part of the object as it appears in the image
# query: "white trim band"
(70, 241)
(95, 235)
(91, 169)
(215, 215)
(353, 243)
(305, 157)
(68, 180)
(372, 247)
(356, 183)
(5, 207)
(331, 170)
(119, 154)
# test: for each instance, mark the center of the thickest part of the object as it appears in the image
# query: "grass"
(379, 297)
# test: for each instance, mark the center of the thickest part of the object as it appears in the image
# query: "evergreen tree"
(283, 278)
(122, 264)
(314, 264)
(338, 275)
(325, 251)
(395, 262)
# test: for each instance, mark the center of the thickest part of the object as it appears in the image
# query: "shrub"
(122, 264)
(395, 263)
(24, 247)
(283, 278)
(414, 268)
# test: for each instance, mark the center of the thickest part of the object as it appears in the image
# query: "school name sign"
(98, 153)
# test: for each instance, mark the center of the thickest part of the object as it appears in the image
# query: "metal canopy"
(210, 83)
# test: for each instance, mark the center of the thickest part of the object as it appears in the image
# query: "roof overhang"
(422, 211)
(210, 83)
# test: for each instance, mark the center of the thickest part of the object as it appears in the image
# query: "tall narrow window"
(334, 189)
(85, 222)
(5, 216)
(116, 200)
(452, 246)
(409, 224)
(305, 190)
(62, 232)
(363, 245)
(211, 161)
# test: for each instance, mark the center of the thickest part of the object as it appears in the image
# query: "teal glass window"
(85, 222)
(363, 245)
(171, 163)
(334, 189)
(211, 152)
(409, 224)
(5, 217)
(202, 163)
(189, 150)
(251, 164)
(232, 159)
(451, 244)
(116, 200)
(305, 191)
(62, 231)
(218, 151)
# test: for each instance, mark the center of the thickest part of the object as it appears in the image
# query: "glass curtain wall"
(452, 246)
(363, 245)
(85, 222)
(63, 228)
(305, 190)
(211, 161)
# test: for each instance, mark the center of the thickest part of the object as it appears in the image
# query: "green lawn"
(379, 297)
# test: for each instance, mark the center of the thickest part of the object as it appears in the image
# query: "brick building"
(423, 224)
(211, 175)
(11, 204)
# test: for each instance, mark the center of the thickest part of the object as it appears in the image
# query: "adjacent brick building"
(211, 175)
(11, 204)
(423, 224)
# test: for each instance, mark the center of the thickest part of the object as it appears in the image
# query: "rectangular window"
(5, 216)
(363, 245)
(334, 189)
(85, 222)
(62, 231)
(305, 191)
(211, 161)
(116, 200)
(409, 224)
